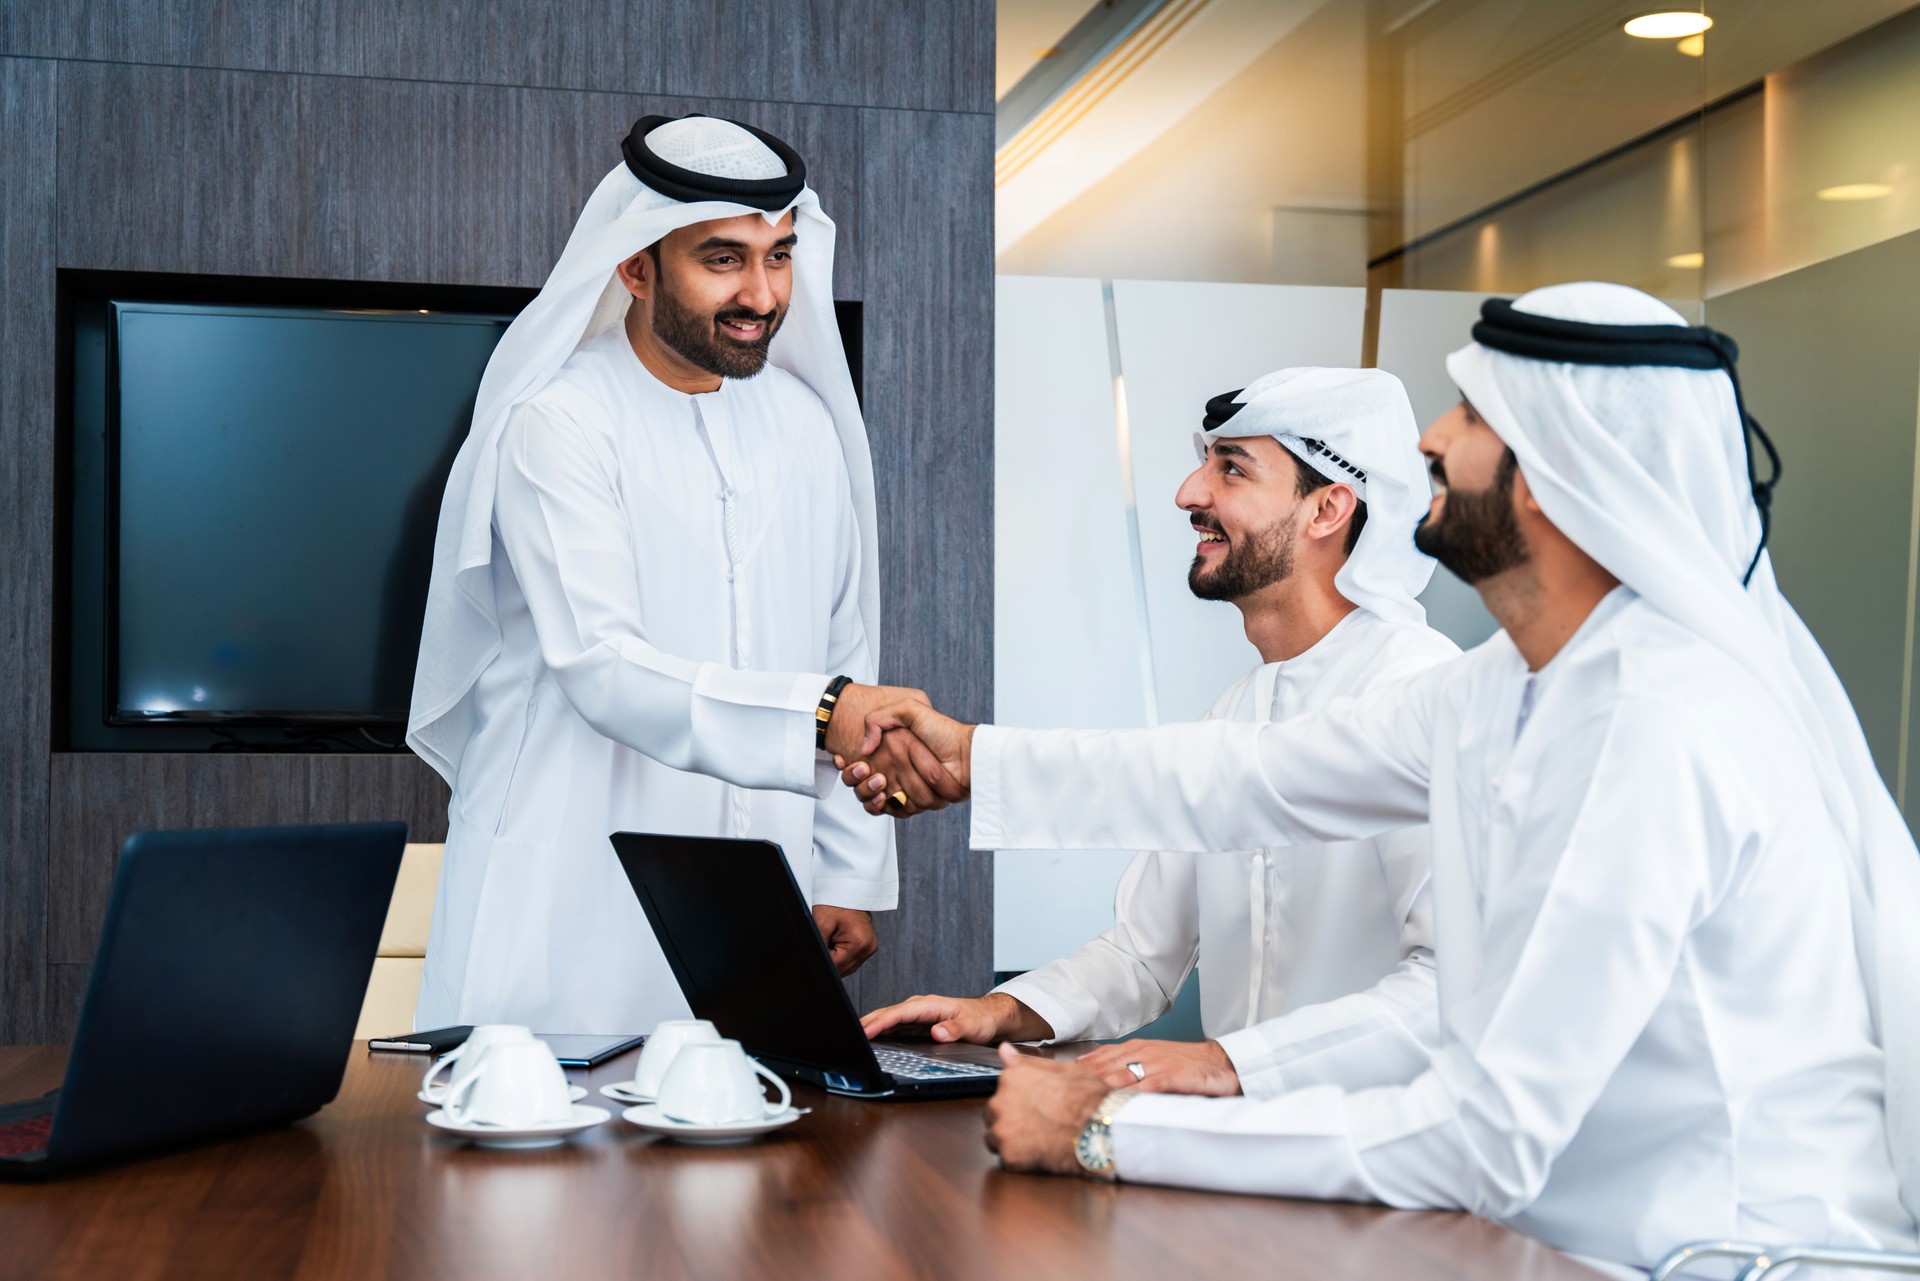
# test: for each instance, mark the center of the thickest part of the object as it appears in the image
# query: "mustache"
(1436, 470)
(742, 313)
(1206, 523)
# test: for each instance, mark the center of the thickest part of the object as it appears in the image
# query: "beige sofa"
(403, 946)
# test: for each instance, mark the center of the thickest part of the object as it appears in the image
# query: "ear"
(1523, 498)
(637, 274)
(1333, 508)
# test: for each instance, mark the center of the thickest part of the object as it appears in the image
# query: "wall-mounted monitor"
(255, 480)
(252, 476)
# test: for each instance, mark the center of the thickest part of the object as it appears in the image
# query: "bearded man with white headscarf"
(1674, 904)
(657, 545)
(1317, 958)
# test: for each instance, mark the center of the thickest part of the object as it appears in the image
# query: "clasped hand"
(888, 741)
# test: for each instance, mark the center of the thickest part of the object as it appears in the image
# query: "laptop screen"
(740, 938)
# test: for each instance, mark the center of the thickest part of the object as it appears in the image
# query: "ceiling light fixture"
(1854, 191)
(1692, 260)
(1671, 25)
(1693, 46)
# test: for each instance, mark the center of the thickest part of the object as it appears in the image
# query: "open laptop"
(229, 976)
(741, 940)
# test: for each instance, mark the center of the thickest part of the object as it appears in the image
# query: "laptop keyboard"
(25, 1128)
(909, 1066)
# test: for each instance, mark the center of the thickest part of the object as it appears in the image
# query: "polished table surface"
(366, 1189)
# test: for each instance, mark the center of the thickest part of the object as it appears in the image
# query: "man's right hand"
(979, 1019)
(897, 756)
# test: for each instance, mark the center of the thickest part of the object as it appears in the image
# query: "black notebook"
(573, 1050)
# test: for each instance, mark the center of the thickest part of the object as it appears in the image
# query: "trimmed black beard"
(1249, 565)
(697, 339)
(1477, 535)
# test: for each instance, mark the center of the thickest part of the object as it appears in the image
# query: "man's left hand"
(1035, 1118)
(848, 934)
(1171, 1067)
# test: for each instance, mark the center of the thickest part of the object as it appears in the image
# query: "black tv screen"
(277, 474)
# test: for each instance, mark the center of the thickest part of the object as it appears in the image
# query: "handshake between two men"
(908, 758)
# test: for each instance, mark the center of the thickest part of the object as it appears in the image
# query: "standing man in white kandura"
(1314, 959)
(1673, 901)
(656, 550)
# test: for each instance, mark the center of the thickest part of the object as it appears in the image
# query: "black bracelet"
(824, 716)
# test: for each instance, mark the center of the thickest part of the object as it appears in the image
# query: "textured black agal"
(1504, 327)
(685, 185)
(1221, 408)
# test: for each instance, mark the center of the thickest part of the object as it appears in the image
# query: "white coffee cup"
(716, 1083)
(465, 1057)
(516, 1084)
(663, 1043)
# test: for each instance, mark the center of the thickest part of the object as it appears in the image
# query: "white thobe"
(1345, 927)
(675, 575)
(1653, 1026)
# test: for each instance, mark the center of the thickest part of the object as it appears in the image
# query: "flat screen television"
(256, 488)
(252, 475)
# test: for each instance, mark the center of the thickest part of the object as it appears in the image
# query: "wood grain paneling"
(575, 45)
(924, 54)
(930, 54)
(27, 189)
(99, 799)
(928, 247)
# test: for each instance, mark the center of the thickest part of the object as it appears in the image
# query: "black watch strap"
(824, 716)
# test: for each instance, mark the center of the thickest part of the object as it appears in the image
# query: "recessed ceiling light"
(1693, 46)
(1694, 259)
(1855, 191)
(1668, 26)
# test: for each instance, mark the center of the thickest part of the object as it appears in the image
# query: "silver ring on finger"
(1139, 1071)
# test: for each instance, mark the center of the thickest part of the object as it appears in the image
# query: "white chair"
(403, 946)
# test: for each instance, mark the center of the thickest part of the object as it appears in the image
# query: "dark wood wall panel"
(925, 54)
(334, 177)
(927, 206)
(454, 141)
(99, 799)
(27, 193)
(931, 54)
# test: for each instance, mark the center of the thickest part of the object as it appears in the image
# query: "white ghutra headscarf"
(697, 169)
(1356, 427)
(1646, 468)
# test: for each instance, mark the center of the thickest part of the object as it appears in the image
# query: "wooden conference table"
(366, 1189)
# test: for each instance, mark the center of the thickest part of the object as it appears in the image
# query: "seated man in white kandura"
(1673, 902)
(1308, 489)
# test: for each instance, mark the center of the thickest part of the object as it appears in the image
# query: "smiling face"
(1247, 511)
(1472, 525)
(716, 292)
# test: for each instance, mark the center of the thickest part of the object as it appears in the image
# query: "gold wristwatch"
(1094, 1148)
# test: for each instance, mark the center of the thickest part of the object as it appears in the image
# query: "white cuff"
(986, 832)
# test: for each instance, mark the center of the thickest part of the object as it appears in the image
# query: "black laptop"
(741, 940)
(230, 973)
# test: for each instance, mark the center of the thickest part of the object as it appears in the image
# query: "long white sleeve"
(855, 864)
(558, 513)
(1130, 974)
(1623, 848)
(1351, 771)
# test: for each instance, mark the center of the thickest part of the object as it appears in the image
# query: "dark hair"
(1307, 480)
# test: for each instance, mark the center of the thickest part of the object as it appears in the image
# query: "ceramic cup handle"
(786, 1095)
(456, 1094)
(439, 1065)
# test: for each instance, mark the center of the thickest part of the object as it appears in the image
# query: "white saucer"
(623, 1092)
(436, 1095)
(549, 1135)
(649, 1118)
